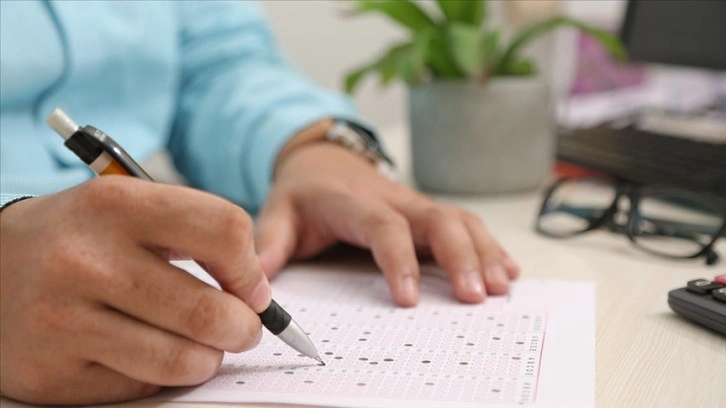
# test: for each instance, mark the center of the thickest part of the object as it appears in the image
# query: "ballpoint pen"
(102, 154)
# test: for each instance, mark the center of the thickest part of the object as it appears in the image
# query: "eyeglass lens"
(675, 225)
(574, 204)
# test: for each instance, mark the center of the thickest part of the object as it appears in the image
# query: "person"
(92, 311)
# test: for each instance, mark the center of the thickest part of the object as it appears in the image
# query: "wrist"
(312, 134)
(348, 136)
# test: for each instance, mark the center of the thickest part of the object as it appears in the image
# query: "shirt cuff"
(8, 199)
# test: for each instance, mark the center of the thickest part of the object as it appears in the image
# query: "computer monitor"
(679, 32)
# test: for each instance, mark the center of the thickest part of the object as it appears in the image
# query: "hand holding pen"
(102, 154)
(99, 315)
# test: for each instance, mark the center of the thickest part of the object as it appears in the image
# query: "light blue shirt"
(201, 79)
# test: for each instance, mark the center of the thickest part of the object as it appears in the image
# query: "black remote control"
(702, 301)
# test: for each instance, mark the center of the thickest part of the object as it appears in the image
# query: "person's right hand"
(91, 311)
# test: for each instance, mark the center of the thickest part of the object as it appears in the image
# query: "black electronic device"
(679, 32)
(702, 301)
(648, 158)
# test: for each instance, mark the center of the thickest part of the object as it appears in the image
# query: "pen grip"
(275, 318)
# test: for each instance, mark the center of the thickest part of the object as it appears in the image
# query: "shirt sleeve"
(239, 101)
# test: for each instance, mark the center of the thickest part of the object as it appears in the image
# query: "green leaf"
(522, 67)
(404, 12)
(490, 52)
(412, 60)
(406, 61)
(490, 46)
(611, 43)
(385, 65)
(474, 52)
(353, 78)
(439, 57)
(465, 45)
(464, 11)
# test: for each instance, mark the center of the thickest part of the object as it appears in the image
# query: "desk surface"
(646, 356)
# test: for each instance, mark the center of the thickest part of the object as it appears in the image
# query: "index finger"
(203, 226)
(375, 225)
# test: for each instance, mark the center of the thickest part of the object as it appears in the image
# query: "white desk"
(646, 356)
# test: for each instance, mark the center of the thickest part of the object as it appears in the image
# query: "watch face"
(358, 139)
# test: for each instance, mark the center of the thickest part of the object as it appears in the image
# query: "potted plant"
(480, 115)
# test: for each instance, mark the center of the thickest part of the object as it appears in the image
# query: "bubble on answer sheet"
(240, 382)
(276, 354)
(328, 353)
(361, 384)
(363, 359)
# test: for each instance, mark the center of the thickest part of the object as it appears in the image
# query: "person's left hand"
(324, 193)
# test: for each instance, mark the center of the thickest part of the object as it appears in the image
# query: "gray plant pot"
(469, 138)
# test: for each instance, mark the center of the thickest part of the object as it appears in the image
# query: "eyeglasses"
(665, 221)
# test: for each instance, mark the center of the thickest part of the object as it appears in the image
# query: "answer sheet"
(533, 347)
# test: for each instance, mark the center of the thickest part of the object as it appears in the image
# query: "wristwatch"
(362, 142)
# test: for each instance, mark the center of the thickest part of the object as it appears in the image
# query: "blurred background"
(610, 117)
(325, 44)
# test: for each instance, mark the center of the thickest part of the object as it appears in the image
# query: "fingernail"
(473, 282)
(498, 274)
(260, 297)
(512, 266)
(409, 289)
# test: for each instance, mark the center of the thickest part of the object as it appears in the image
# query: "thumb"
(276, 236)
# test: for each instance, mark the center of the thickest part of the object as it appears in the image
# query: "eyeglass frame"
(634, 193)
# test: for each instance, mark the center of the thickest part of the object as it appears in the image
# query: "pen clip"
(117, 153)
